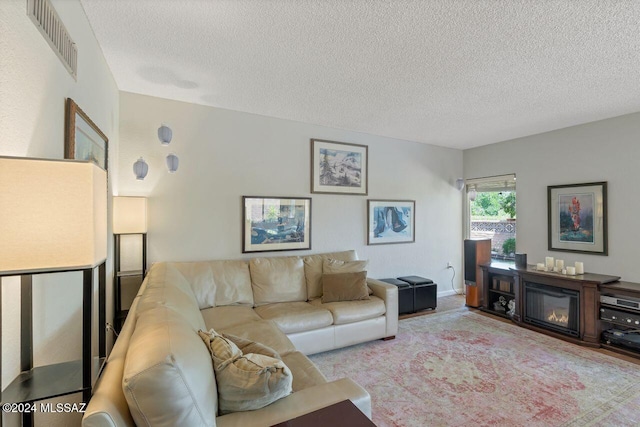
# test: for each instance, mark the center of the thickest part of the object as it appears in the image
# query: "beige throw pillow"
(245, 382)
(344, 287)
(248, 346)
(331, 266)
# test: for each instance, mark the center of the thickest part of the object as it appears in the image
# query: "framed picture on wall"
(276, 224)
(83, 140)
(391, 221)
(339, 167)
(577, 218)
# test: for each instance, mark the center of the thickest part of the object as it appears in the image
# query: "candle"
(560, 264)
(564, 271)
(548, 262)
(579, 268)
(540, 267)
(571, 271)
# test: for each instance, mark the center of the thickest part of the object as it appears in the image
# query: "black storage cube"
(425, 292)
(405, 295)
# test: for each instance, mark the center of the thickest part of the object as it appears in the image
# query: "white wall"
(195, 214)
(606, 150)
(33, 88)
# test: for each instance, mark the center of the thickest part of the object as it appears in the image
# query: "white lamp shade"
(129, 215)
(53, 215)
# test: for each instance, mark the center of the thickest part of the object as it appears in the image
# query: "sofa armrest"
(389, 294)
(300, 403)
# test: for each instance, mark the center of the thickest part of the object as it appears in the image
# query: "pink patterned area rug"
(460, 368)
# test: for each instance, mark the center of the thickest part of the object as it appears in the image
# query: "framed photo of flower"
(391, 221)
(339, 167)
(577, 218)
(276, 224)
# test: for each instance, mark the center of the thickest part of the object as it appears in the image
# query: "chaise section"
(295, 316)
(306, 373)
(300, 403)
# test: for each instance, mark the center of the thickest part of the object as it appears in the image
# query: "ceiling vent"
(45, 17)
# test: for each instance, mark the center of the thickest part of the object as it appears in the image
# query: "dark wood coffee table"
(343, 413)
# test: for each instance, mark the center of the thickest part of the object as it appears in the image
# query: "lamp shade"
(140, 169)
(53, 215)
(129, 215)
(172, 163)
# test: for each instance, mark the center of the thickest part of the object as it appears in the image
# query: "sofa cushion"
(265, 332)
(353, 311)
(279, 279)
(245, 381)
(168, 378)
(248, 346)
(313, 270)
(305, 373)
(218, 283)
(344, 287)
(295, 316)
(166, 286)
(219, 318)
(233, 282)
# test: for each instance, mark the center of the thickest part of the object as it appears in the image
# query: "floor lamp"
(53, 219)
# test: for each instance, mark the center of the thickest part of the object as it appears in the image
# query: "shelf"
(129, 273)
(45, 382)
(507, 294)
(622, 350)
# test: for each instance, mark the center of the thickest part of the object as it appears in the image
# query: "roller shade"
(492, 183)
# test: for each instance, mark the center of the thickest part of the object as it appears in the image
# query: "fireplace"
(552, 308)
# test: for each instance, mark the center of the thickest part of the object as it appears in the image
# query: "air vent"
(45, 17)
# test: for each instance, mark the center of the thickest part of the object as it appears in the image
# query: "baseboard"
(450, 292)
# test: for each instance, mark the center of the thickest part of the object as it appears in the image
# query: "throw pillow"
(344, 287)
(245, 382)
(332, 266)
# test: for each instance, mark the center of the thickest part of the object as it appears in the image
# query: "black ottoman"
(424, 292)
(405, 295)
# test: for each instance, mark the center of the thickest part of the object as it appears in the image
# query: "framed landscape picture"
(339, 167)
(391, 221)
(276, 224)
(577, 218)
(83, 140)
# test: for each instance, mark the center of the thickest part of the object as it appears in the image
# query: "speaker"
(521, 260)
(476, 252)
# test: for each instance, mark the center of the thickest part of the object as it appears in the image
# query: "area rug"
(460, 368)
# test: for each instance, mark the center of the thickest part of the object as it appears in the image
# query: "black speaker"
(470, 262)
(521, 260)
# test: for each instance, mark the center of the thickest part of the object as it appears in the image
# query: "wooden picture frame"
(339, 167)
(577, 218)
(276, 224)
(83, 139)
(391, 221)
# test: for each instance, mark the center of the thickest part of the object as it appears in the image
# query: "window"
(492, 213)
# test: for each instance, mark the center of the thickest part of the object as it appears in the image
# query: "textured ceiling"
(454, 73)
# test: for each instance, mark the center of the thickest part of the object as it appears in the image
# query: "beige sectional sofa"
(160, 372)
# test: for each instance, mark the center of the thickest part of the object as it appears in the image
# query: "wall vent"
(45, 17)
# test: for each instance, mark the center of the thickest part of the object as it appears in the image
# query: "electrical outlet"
(449, 265)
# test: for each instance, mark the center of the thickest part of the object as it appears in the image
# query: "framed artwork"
(391, 221)
(578, 218)
(339, 167)
(83, 140)
(276, 224)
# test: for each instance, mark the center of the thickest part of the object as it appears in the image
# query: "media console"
(577, 308)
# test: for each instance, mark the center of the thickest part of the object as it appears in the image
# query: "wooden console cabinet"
(588, 285)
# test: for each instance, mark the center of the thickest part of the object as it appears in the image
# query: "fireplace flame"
(562, 319)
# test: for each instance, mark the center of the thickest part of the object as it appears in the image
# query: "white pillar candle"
(560, 264)
(571, 271)
(540, 266)
(548, 262)
(579, 268)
